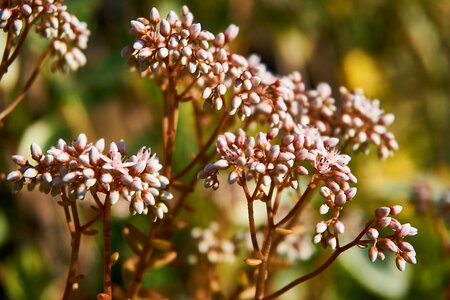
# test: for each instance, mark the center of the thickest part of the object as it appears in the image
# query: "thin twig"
(107, 267)
(73, 223)
(205, 148)
(28, 84)
(322, 267)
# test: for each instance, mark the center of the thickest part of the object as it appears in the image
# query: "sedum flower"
(362, 122)
(68, 36)
(394, 242)
(80, 167)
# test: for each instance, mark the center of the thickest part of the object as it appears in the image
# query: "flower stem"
(107, 283)
(322, 267)
(73, 223)
(205, 148)
(143, 261)
(28, 84)
(267, 245)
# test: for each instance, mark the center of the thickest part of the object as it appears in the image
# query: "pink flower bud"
(405, 246)
(383, 222)
(340, 198)
(410, 257)
(36, 152)
(231, 33)
(80, 143)
(30, 173)
(19, 160)
(113, 197)
(350, 193)
(390, 245)
(321, 227)
(164, 28)
(317, 238)
(372, 233)
(400, 263)
(195, 30)
(332, 242)
(148, 198)
(70, 177)
(382, 212)
(137, 27)
(154, 16)
(396, 209)
(395, 225)
(94, 155)
(373, 253)
(138, 206)
(325, 192)
(339, 227)
(14, 176)
(106, 178)
(324, 209)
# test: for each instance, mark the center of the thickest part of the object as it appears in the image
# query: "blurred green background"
(397, 51)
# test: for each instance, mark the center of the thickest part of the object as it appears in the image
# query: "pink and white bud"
(137, 27)
(390, 245)
(317, 238)
(36, 151)
(395, 209)
(339, 227)
(324, 209)
(114, 197)
(106, 178)
(195, 30)
(340, 198)
(14, 176)
(231, 33)
(400, 262)
(395, 225)
(350, 193)
(164, 28)
(383, 222)
(321, 227)
(94, 155)
(154, 16)
(148, 198)
(373, 253)
(138, 206)
(19, 160)
(372, 234)
(382, 212)
(325, 192)
(409, 257)
(332, 242)
(30, 173)
(70, 177)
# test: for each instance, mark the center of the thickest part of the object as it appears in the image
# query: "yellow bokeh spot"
(361, 71)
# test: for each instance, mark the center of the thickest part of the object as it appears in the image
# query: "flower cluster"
(67, 34)
(362, 121)
(281, 162)
(394, 242)
(216, 249)
(81, 167)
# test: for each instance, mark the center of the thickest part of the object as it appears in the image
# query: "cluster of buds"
(362, 121)
(216, 249)
(394, 242)
(296, 246)
(75, 169)
(280, 163)
(67, 34)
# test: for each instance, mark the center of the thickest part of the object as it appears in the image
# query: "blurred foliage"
(398, 51)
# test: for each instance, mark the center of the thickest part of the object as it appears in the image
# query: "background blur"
(398, 51)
